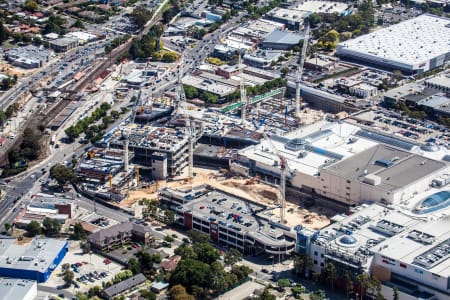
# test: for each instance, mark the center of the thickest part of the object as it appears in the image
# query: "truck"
(53, 140)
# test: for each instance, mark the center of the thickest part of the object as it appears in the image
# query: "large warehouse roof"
(410, 42)
(395, 168)
(37, 255)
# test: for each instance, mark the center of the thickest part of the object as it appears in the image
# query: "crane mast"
(298, 99)
(283, 168)
(243, 92)
(181, 109)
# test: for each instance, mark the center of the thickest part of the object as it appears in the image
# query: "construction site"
(153, 150)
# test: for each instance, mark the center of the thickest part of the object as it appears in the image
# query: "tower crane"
(189, 126)
(284, 168)
(243, 91)
(298, 99)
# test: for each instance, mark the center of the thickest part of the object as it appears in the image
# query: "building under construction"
(99, 163)
(160, 152)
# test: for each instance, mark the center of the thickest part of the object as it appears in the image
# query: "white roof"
(82, 36)
(327, 7)
(404, 249)
(335, 142)
(410, 42)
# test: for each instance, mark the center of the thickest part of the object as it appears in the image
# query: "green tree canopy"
(34, 228)
(140, 16)
(232, 256)
(190, 272)
(31, 5)
(206, 253)
(62, 174)
(78, 232)
(178, 292)
(190, 91)
(51, 226)
(68, 277)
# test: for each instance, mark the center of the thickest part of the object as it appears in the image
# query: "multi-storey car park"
(413, 46)
(230, 220)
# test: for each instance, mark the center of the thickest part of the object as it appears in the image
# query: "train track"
(37, 120)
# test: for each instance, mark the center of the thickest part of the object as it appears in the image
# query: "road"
(55, 291)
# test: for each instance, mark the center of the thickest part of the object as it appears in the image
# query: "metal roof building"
(346, 163)
(124, 286)
(413, 46)
(17, 289)
(393, 245)
(281, 40)
(35, 260)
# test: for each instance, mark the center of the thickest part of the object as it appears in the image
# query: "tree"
(185, 251)
(298, 290)
(140, 16)
(283, 282)
(331, 273)
(86, 247)
(395, 296)
(78, 24)
(314, 19)
(241, 272)
(68, 277)
(169, 216)
(81, 296)
(302, 264)
(62, 174)
(206, 253)
(115, 114)
(266, 295)
(317, 295)
(190, 272)
(3, 118)
(168, 239)
(31, 5)
(348, 283)
(169, 56)
(54, 24)
(78, 232)
(178, 292)
(363, 281)
(4, 33)
(375, 288)
(134, 266)
(190, 91)
(51, 226)
(284, 71)
(217, 277)
(34, 228)
(197, 237)
(65, 267)
(232, 256)
(148, 295)
(30, 148)
(7, 227)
